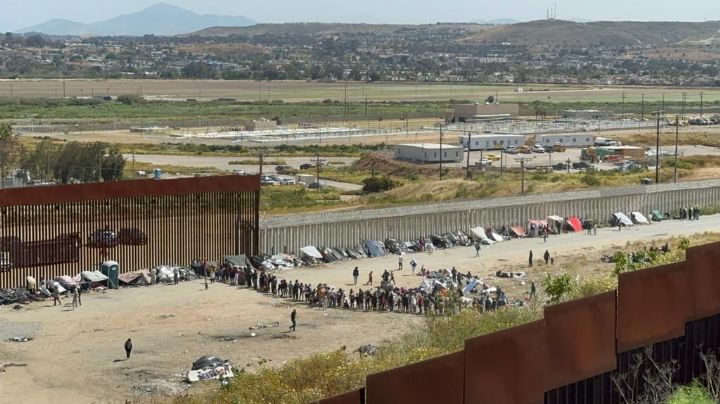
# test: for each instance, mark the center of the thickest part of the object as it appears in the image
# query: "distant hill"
(319, 28)
(160, 19)
(616, 33)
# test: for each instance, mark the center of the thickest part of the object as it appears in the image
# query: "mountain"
(611, 33)
(160, 19)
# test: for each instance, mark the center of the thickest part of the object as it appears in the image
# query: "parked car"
(559, 166)
(269, 180)
(239, 172)
(483, 162)
(315, 185)
(580, 166)
(511, 150)
(538, 149)
(492, 157)
(132, 236)
(103, 238)
(306, 166)
(524, 150)
(288, 181)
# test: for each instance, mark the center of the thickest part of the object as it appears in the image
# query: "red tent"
(575, 223)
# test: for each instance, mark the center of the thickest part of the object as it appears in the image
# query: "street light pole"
(469, 143)
(677, 131)
(441, 157)
(657, 151)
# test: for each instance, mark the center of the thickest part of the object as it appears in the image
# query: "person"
(176, 275)
(369, 282)
(56, 296)
(594, 229)
(128, 348)
(413, 265)
(530, 257)
(546, 256)
(293, 316)
(533, 290)
(545, 235)
(75, 298)
(356, 273)
(552, 260)
(400, 262)
(477, 249)
(392, 277)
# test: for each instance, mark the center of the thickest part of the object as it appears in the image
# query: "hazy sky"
(16, 14)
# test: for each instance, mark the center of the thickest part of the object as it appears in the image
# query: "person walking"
(128, 348)
(293, 316)
(546, 256)
(477, 249)
(392, 277)
(400, 262)
(530, 257)
(356, 274)
(75, 298)
(413, 265)
(369, 282)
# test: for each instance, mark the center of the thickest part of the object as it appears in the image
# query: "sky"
(17, 14)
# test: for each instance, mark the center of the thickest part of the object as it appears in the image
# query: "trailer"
(566, 140)
(491, 141)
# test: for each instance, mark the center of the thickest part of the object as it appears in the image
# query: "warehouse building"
(429, 153)
(566, 140)
(477, 111)
(586, 114)
(491, 141)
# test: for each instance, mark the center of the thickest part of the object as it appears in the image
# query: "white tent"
(496, 237)
(639, 218)
(479, 233)
(311, 252)
(623, 219)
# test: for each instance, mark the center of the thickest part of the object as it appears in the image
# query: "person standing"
(530, 258)
(356, 274)
(369, 282)
(413, 265)
(392, 277)
(477, 249)
(293, 316)
(80, 288)
(176, 275)
(546, 256)
(56, 296)
(545, 235)
(400, 262)
(533, 290)
(75, 298)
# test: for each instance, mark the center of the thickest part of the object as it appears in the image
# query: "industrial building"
(571, 140)
(477, 111)
(491, 141)
(429, 153)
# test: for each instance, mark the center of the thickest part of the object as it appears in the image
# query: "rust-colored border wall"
(506, 366)
(653, 305)
(127, 189)
(580, 339)
(352, 397)
(703, 266)
(438, 380)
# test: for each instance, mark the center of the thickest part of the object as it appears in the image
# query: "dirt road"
(78, 357)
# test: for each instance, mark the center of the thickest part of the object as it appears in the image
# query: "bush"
(130, 99)
(590, 180)
(558, 287)
(378, 184)
(692, 394)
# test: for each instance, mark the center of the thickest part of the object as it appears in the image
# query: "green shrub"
(692, 394)
(590, 179)
(378, 184)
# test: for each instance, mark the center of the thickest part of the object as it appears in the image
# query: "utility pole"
(441, 158)
(522, 161)
(622, 113)
(657, 151)
(642, 107)
(260, 161)
(677, 131)
(701, 104)
(502, 155)
(683, 104)
(63, 88)
(663, 101)
(469, 143)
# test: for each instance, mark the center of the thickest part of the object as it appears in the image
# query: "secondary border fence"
(575, 351)
(346, 229)
(50, 231)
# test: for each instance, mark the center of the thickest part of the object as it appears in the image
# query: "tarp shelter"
(376, 248)
(239, 261)
(474, 283)
(638, 218)
(94, 276)
(555, 224)
(137, 278)
(620, 217)
(518, 231)
(574, 224)
(480, 234)
(311, 251)
(496, 237)
(539, 223)
(657, 216)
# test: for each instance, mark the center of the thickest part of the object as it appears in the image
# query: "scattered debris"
(10, 365)
(208, 368)
(367, 350)
(20, 339)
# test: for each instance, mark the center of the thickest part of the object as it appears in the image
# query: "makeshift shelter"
(622, 219)
(237, 261)
(66, 281)
(376, 248)
(536, 227)
(495, 236)
(555, 224)
(657, 216)
(638, 218)
(573, 224)
(479, 233)
(137, 278)
(96, 278)
(311, 251)
(518, 231)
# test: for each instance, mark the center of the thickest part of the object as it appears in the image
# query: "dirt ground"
(78, 357)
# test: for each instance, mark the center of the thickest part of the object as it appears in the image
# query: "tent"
(137, 278)
(555, 224)
(496, 237)
(621, 218)
(574, 224)
(474, 283)
(376, 248)
(311, 251)
(638, 218)
(518, 231)
(480, 234)
(657, 216)
(94, 276)
(239, 261)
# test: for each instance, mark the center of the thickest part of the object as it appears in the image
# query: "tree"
(490, 100)
(378, 184)
(10, 150)
(41, 162)
(112, 166)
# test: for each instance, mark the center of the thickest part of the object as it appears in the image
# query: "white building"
(491, 141)
(566, 140)
(429, 153)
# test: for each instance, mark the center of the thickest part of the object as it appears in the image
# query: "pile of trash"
(17, 295)
(209, 368)
(166, 273)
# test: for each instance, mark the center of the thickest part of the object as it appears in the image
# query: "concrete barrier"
(345, 229)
